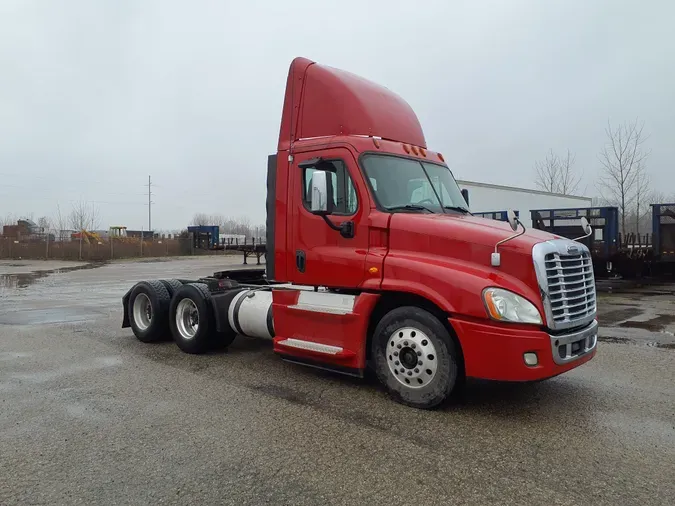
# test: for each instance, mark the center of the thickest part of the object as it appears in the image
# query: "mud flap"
(125, 305)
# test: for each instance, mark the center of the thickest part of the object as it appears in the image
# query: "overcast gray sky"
(97, 95)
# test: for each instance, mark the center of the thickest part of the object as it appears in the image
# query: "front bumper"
(496, 352)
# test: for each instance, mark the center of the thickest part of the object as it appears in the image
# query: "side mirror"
(465, 194)
(512, 219)
(321, 198)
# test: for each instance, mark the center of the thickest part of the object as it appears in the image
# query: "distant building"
(25, 230)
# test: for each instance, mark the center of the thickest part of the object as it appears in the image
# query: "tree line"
(623, 180)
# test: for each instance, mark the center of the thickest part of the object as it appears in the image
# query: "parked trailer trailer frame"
(486, 196)
(628, 256)
(496, 215)
(663, 232)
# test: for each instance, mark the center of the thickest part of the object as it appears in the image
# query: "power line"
(32, 189)
(59, 177)
(71, 200)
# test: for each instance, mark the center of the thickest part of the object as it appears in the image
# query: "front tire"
(191, 318)
(415, 357)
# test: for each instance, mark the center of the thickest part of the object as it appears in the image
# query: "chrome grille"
(571, 286)
(565, 274)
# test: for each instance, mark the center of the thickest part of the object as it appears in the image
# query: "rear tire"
(148, 310)
(415, 357)
(191, 319)
(172, 285)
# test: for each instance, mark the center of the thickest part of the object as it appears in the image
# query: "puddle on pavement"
(22, 280)
(617, 315)
(657, 324)
(634, 289)
(626, 340)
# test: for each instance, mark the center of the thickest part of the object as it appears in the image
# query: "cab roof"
(324, 101)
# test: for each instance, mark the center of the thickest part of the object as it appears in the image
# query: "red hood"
(456, 250)
(470, 231)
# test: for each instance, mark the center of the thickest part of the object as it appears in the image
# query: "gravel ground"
(88, 415)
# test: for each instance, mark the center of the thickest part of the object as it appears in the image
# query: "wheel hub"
(408, 358)
(187, 318)
(142, 311)
(411, 357)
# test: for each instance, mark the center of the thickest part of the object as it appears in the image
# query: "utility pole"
(149, 185)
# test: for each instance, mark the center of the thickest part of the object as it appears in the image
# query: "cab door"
(322, 256)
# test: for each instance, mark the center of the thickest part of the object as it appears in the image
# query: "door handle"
(300, 260)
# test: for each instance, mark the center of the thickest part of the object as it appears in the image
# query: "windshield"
(403, 183)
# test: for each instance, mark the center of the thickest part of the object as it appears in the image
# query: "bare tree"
(568, 180)
(622, 159)
(547, 172)
(8, 219)
(556, 174)
(642, 198)
(84, 216)
(44, 224)
(237, 226)
(201, 220)
(60, 222)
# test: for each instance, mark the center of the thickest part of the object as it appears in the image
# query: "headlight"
(506, 306)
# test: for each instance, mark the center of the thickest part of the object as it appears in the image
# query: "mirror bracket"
(496, 257)
(588, 230)
(346, 228)
(307, 164)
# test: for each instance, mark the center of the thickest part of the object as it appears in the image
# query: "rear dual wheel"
(148, 307)
(192, 322)
(415, 357)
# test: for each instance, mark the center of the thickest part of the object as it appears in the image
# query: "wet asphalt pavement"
(88, 415)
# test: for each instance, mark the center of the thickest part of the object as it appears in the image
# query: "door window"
(344, 193)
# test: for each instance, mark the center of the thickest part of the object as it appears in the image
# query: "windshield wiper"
(412, 207)
(457, 208)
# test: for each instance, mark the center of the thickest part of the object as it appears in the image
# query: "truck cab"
(375, 260)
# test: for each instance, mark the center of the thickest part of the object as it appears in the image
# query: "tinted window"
(402, 181)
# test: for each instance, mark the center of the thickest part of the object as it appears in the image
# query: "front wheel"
(415, 357)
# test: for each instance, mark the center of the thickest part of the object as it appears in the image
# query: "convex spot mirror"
(586, 226)
(512, 219)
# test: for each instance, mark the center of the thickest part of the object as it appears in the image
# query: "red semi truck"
(374, 260)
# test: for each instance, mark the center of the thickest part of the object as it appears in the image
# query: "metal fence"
(99, 250)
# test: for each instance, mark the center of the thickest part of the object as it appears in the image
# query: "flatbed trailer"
(629, 256)
(373, 261)
(252, 248)
(663, 234)
(496, 215)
